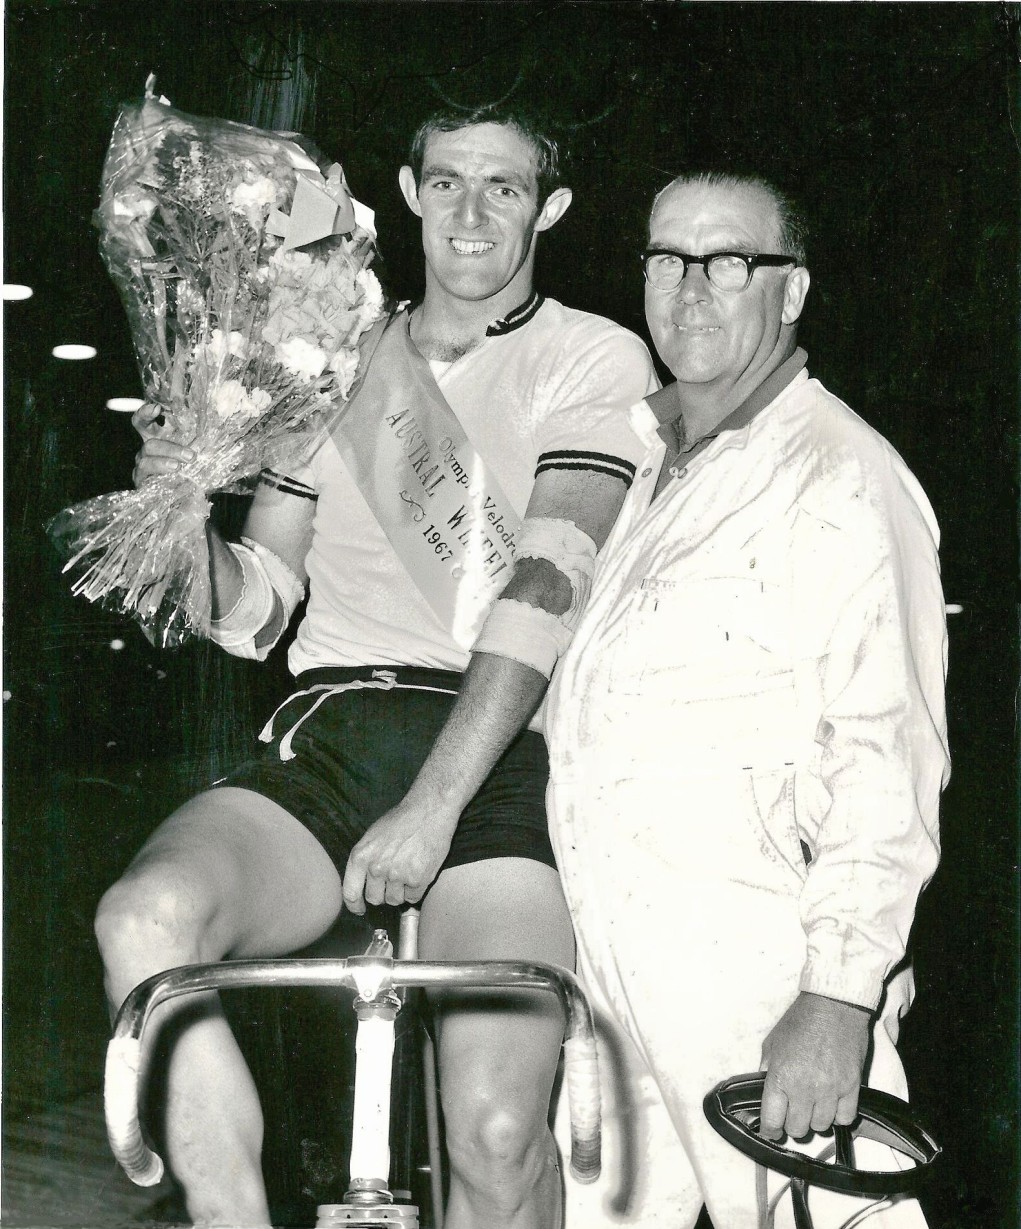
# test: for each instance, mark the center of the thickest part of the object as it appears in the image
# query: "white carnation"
(254, 199)
(300, 357)
(221, 344)
(369, 285)
(189, 301)
(291, 261)
(233, 400)
(344, 365)
(132, 203)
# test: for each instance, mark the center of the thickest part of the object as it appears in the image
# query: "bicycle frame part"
(333, 1215)
(371, 976)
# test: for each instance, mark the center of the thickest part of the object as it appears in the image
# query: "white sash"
(439, 504)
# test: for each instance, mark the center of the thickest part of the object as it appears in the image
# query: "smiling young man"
(487, 440)
(748, 735)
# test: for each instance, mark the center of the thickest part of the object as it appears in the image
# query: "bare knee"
(496, 1149)
(152, 919)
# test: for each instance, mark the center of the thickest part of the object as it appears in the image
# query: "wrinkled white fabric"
(235, 631)
(571, 551)
(524, 633)
(761, 665)
(561, 381)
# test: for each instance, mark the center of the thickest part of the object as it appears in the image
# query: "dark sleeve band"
(598, 462)
(289, 486)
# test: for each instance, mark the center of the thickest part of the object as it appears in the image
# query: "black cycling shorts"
(357, 753)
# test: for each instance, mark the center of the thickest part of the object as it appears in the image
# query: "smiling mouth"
(697, 328)
(471, 247)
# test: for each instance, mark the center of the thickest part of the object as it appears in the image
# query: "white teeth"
(464, 247)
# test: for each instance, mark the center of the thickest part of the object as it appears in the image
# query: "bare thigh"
(243, 871)
(504, 1044)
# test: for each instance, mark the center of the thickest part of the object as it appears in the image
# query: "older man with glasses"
(748, 735)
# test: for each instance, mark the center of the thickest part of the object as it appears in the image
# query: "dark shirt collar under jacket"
(667, 410)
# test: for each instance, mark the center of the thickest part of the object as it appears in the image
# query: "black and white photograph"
(510, 614)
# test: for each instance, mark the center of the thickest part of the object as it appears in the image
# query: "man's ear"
(557, 204)
(409, 189)
(794, 294)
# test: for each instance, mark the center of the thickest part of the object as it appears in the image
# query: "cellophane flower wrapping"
(249, 346)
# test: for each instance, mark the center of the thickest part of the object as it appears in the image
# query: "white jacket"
(776, 613)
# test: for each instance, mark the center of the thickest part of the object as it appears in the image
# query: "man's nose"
(471, 209)
(695, 285)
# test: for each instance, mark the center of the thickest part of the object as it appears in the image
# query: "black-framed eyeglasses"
(665, 268)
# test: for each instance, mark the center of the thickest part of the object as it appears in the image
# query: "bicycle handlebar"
(123, 1057)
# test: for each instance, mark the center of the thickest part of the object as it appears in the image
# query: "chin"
(689, 373)
(467, 286)
(692, 368)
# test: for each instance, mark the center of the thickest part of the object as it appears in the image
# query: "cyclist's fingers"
(159, 457)
(353, 886)
(152, 467)
(155, 448)
(395, 892)
(375, 889)
(147, 419)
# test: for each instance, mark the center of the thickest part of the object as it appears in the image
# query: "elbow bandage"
(528, 633)
(265, 578)
(571, 551)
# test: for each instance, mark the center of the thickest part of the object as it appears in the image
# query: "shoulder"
(583, 326)
(565, 355)
(848, 474)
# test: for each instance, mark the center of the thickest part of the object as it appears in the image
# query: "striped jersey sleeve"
(597, 462)
(287, 484)
(587, 425)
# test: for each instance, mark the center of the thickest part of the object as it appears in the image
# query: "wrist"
(441, 806)
(854, 1013)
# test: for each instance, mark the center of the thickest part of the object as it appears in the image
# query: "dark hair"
(793, 228)
(453, 119)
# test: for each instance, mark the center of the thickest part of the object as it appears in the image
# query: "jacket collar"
(666, 411)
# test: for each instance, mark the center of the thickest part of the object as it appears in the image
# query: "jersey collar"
(518, 317)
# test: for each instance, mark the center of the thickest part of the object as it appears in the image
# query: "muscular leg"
(498, 1051)
(229, 874)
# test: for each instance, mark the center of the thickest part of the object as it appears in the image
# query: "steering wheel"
(734, 1106)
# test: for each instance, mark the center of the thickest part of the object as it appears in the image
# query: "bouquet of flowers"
(241, 266)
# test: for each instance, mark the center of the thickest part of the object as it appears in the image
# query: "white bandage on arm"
(571, 551)
(523, 633)
(264, 578)
(529, 634)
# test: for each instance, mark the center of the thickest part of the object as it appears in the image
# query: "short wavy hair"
(793, 227)
(548, 173)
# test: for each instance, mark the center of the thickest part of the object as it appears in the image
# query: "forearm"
(517, 648)
(225, 576)
(858, 905)
(228, 584)
(881, 762)
(497, 698)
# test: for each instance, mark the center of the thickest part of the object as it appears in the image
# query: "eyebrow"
(741, 249)
(497, 177)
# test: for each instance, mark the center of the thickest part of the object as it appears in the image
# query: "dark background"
(895, 124)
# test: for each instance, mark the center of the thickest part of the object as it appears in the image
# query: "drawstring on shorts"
(385, 680)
